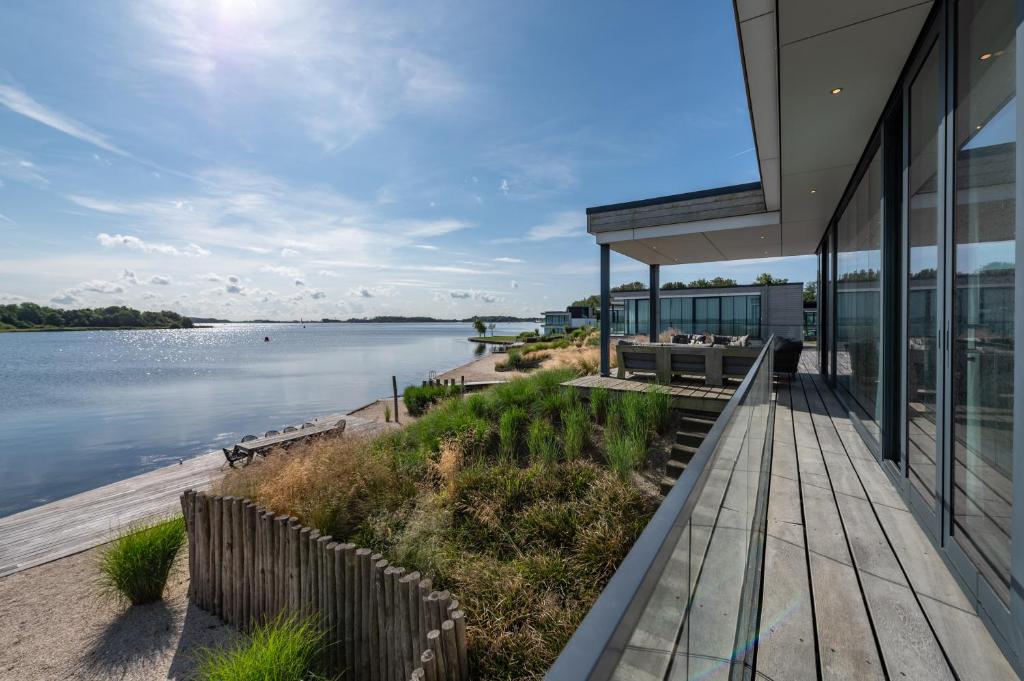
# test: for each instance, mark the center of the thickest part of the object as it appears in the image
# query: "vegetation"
(810, 292)
(136, 565)
(509, 497)
(29, 316)
(418, 398)
(767, 279)
(282, 650)
(480, 326)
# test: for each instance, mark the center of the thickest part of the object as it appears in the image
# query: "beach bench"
(249, 448)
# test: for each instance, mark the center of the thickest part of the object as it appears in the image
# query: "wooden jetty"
(80, 522)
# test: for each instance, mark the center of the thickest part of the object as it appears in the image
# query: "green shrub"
(282, 650)
(136, 565)
(554, 403)
(599, 398)
(576, 430)
(659, 408)
(635, 418)
(511, 428)
(419, 398)
(541, 441)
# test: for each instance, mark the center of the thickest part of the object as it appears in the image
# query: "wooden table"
(262, 444)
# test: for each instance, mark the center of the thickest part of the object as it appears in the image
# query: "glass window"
(858, 296)
(984, 236)
(924, 223)
(728, 317)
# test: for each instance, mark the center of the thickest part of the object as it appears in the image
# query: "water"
(83, 409)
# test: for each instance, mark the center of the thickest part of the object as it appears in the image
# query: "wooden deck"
(85, 520)
(691, 395)
(853, 589)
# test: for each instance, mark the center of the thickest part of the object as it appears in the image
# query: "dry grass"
(332, 484)
(666, 335)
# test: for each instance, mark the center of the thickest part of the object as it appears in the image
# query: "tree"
(631, 286)
(673, 286)
(490, 327)
(766, 279)
(811, 292)
(593, 301)
(481, 328)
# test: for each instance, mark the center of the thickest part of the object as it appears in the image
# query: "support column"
(655, 305)
(606, 310)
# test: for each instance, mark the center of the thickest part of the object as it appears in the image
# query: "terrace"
(784, 551)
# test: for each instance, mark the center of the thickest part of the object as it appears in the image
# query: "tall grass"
(281, 650)
(136, 565)
(541, 441)
(576, 430)
(599, 399)
(419, 398)
(625, 453)
(511, 432)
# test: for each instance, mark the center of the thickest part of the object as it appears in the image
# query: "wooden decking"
(85, 520)
(853, 589)
(692, 395)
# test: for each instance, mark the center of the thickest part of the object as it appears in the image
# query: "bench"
(713, 362)
(250, 446)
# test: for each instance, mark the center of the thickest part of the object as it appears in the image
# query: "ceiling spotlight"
(814, 191)
(978, 126)
(985, 56)
(836, 90)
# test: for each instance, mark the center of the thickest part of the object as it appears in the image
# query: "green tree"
(631, 286)
(811, 292)
(766, 279)
(673, 286)
(481, 328)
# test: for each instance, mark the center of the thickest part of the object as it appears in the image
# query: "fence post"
(429, 662)
(351, 608)
(377, 623)
(294, 565)
(237, 562)
(394, 391)
(434, 641)
(451, 655)
(423, 592)
(412, 603)
(202, 518)
(249, 561)
(328, 595)
(459, 618)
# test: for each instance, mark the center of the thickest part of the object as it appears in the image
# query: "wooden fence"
(380, 622)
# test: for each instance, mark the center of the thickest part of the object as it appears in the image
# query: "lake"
(86, 408)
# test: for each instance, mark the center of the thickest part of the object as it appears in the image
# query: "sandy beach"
(58, 625)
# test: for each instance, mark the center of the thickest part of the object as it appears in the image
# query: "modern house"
(757, 311)
(866, 518)
(573, 317)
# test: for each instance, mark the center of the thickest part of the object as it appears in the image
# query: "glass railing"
(684, 602)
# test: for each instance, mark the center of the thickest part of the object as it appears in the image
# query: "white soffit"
(758, 43)
(739, 243)
(860, 47)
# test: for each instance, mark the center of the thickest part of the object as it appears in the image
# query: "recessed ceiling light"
(836, 90)
(985, 56)
(762, 236)
(978, 126)
(814, 191)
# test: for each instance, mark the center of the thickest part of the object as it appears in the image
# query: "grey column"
(655, 311)
(606, 310)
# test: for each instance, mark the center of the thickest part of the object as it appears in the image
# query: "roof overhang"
(809, 141)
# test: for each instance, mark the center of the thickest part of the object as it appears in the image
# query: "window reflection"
(984, 234)
(858, 296)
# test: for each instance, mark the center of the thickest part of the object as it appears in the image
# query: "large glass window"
(858, 296)
(924, 224)
(984, 236)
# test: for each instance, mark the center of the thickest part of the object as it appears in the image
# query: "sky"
(248, 159)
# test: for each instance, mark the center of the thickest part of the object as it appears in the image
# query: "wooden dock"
(80, 522)
(694, 396)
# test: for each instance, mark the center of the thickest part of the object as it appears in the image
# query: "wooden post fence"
(379, 621)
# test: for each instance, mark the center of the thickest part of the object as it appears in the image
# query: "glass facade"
(926, 236)
(983, 259)
(858, 339)
(730, 315)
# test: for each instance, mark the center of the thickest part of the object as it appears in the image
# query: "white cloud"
(11, 298)
(289, 272)
(129, 277)
(564, 224)
(99, 286)
(288, 253)
(300, 283)
(327, 273)
(514, 284)
(21, 103)
(361, 292)
(316, 294)
(137, 244)
(64, 298)
(429, 228)
(160, 281)
(426, 247)
(14, 166)
(482, 296)
(508, 260)
(504, 187)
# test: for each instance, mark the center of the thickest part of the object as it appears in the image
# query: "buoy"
(266, 339)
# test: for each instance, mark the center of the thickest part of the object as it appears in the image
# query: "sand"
(57, 625)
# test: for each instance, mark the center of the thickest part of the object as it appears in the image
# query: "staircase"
(692, 431)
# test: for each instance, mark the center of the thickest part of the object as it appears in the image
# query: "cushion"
(739, 341)
(722, 340)
(681, 339)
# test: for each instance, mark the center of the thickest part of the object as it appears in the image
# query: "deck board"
(685, 395)
(882, 601)
(79, 522)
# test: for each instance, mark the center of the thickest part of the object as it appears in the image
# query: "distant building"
(751, 310)
(573, 317)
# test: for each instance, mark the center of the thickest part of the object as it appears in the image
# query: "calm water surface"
(82, 409)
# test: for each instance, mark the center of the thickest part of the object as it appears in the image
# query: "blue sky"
(239, 158)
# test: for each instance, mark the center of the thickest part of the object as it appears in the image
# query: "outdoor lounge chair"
(787, 355)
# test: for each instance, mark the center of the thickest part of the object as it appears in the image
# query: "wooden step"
(665, 485)
(689, 438)
(674, 468)
(697, 424)
(683, 453)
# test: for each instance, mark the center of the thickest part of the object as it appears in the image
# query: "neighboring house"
(573, 317)
(753, 310)
(885, 135)
(810, 332)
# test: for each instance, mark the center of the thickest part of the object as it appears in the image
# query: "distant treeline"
(32, 316)
(385, 319)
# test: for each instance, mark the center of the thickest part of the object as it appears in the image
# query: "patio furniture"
(787, 355)
(664, 360)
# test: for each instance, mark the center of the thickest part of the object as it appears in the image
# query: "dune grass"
(281, 650)
(135, 566)
(512, 498)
